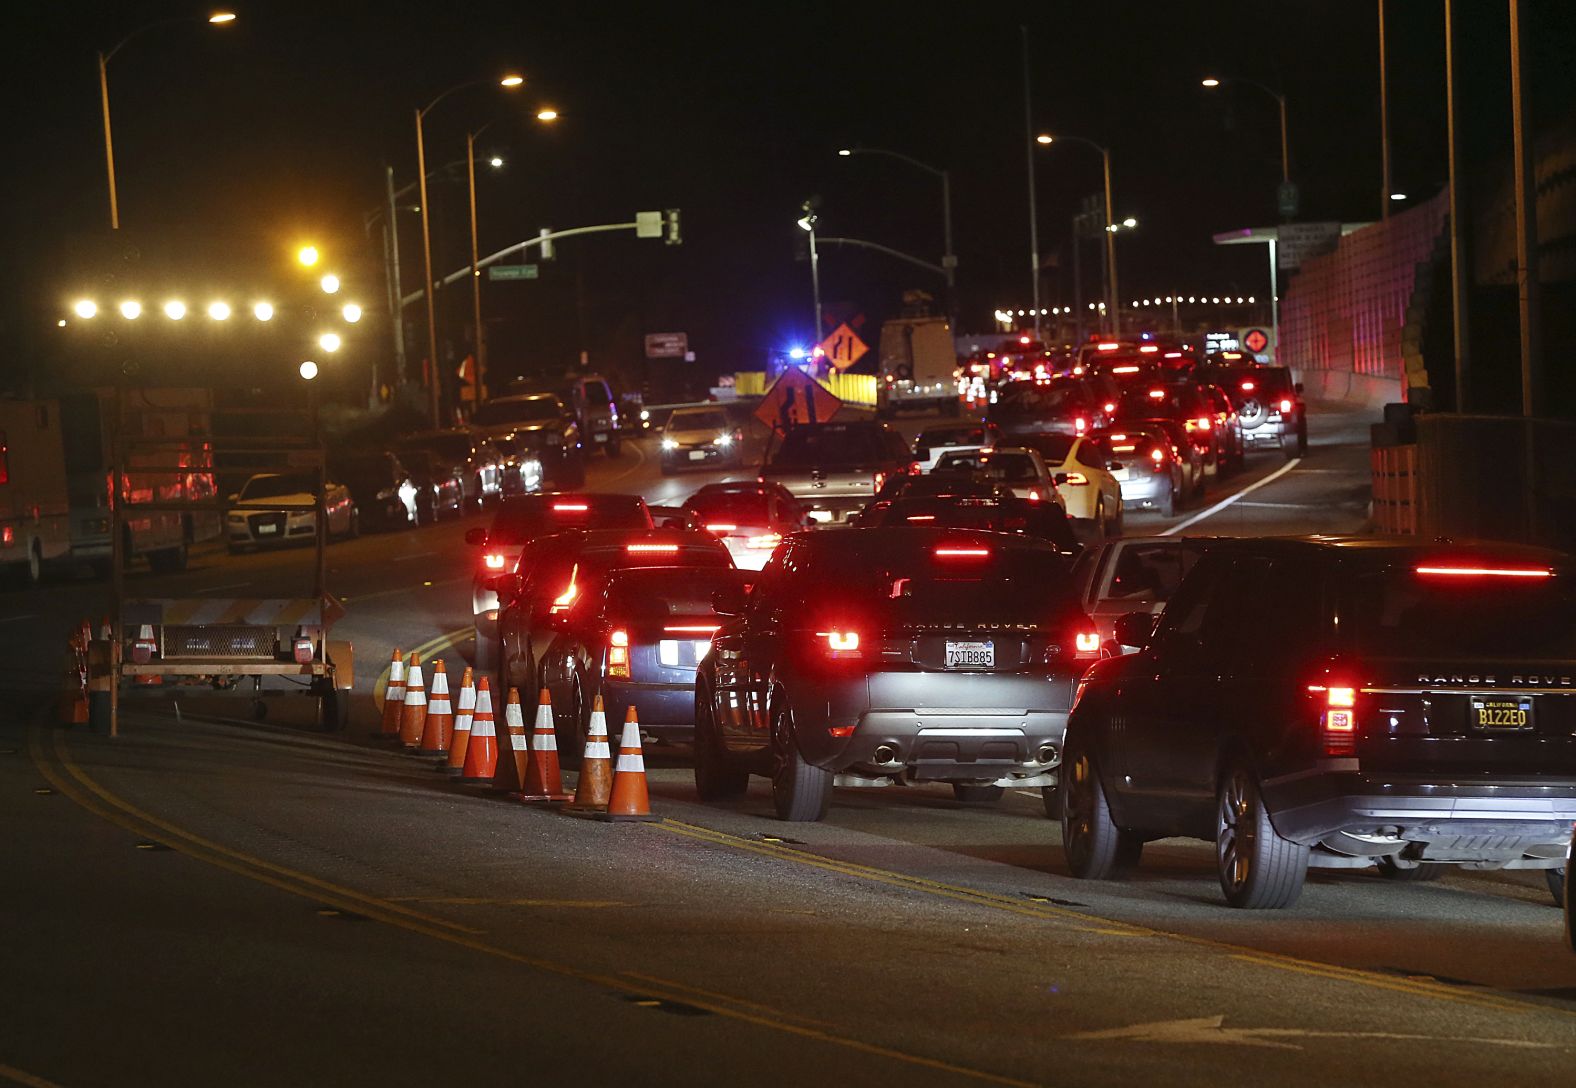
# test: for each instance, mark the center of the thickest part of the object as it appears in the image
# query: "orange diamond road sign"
(843, 348)
(795, 397)
(1255, 340)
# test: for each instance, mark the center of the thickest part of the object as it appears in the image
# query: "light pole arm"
(936, 268)
(141, 30)
(925, 166)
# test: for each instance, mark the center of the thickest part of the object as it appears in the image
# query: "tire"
(1119, 525)
(1096, 848)
(1556, 881)
(1258, 869)
(571, 725)
(1417, 874)
(1302, 440)
(1101, 528)
(1288, 445)
(354, 529)
(714, 779)
(801, 793)
(1051, 798)
(1168, 505)
(333, 711)
(971, 794)
(35, 565)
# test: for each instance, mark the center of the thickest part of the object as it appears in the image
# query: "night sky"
(234, 144)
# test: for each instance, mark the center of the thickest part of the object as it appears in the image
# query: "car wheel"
(1288, 445)
(35, 564)
(1556, 881)
(714, 779)
(353, 530)
(571, 725)
(1096, 848)
(1302, 440)
(1427, 870)
(801, 792)
(1168, 505)
(972, 794)
(1258, 869)
(1119, 523)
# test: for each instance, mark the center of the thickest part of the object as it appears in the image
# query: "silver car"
(701, 437)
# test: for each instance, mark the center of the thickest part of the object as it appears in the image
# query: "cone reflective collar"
(481, 754)
(440, 715)
(519, 754)
(595, 783)
(413, 720)
(461, 736)
(394, 695)
(629, 801)
(543, 780)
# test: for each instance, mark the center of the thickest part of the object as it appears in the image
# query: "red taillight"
(1158, 456)
(841, 731)
(1489, 572)
(1080, 424)
(1148, 349)
(840, 643)
(1023, 339)
(692, 629)
(618, 653)
(1109, 346)
(1247, 387)
(878, 480)
(1087, 642)
(494, 560)
(1110, 407)
(7, 535)
(1203, 423)
(652, 549)
(1338, 720)
(1078, 371)
(1124, 370)
(721, 528)
(570, 507)
(1034, 494)
(1157, 394)
(1076, 479)
(567, 597)
(1285, 406)
(920, 517)
(955, 551)
(764, 540)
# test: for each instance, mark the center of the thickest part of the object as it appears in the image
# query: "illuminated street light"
(1044, 140)
(308, 370)
(220, 17)
(1129, 222)
(263, 311)
(1210, 82)
(85, 308)
(131, 309)
(1397, 196)
(548, 114)
(329, 341)
(61, 323)
(175, 309)
(495, 162)
(307, 256)
(219, 311)
(511, 81)
(845, 151)
(352, 312)
(330, 283)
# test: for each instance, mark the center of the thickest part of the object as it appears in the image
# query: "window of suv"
(526, 517)
(1397, 612)
(518, 410)
(835, 444)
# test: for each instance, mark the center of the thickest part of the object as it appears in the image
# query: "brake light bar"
(920, 517)
(1077, 479)
(693, 629)
(1173, 355)
(1149, 349)
(1124, 370)
(1338, 721)
(1489, 572)
(1109, 345)
(570, 507)
(721, 528)
(957, 552)
(765, 540)
(1125, 447)
(1248, 387)
(494, 560)
(652, 549)
(1158, 394)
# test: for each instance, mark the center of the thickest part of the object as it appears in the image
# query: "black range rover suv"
(1340, 703)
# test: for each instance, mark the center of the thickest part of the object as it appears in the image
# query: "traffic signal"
(547, 243)
(672, 236)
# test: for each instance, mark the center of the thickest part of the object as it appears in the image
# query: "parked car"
(381, 487)
(1335, 702)
(634, 640)
(278, 508)
(440, 492)
(520, 520)
(815, 677)
(474, 461)
(555, 571)
(539, 426)
(697, 437)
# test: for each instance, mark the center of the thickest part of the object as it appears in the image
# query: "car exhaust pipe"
(1046, 753)
(885, 753)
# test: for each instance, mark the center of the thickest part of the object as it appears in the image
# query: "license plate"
(1496, 714)
(697, 455)
(264, 530)
(971, 655)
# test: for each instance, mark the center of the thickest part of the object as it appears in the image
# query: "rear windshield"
(950, 436)
(272, 487)
(522, 519)
(530, 410)
(596, 393)
(662, 591)
(1024, 398)
(1005, 467)
(1248, 381)
(937, 483)
(834, 445)
(1131, 444)
(697, 421)
(1011, 585)
(1173, 401)
(1401, 613)
(1054, 448)
(1043, 521)
(745, 508)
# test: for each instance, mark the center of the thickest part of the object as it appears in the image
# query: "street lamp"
(307, 255)
(1114, 310)
(1280, 100)
(308, 370)
(218, 18)
(807, 223)
(330, 284)
(949, 260)
(435, 381)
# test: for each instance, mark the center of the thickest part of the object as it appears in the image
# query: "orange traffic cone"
(481, 754)
(513, 760)
(413, 720)
(629, 801)
(543, 780)
(74, 687)
(462, 725)
(394, 696)
(440, 715)
(596, 767)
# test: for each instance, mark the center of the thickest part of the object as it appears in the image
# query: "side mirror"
(1297, 388)
(729, 601)
(1059, 479)
(1114, 466)
(1135, 628)
(477, 536)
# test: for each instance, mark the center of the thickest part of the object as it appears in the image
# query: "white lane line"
(1229, 499)
(17, 619)
(417, 555)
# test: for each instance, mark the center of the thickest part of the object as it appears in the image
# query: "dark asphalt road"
(210, 901)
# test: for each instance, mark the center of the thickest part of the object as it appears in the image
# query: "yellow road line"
(481, 901)
(112, 808)
(12, 1073)
(424, 651)
(1096, 925)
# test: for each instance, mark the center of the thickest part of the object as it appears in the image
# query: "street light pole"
(426, 264)
(815, 281)
(1461, 324)
(1034, 222)
(949, 260)
(1110, 246)
(1280, 102)
(1384, 122)
(396, 292)
(476, 276)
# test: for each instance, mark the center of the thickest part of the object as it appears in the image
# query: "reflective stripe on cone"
(629, 800)
(595, 784)
(543, 780)
(481, 754)
(461, 736)
(394, 696)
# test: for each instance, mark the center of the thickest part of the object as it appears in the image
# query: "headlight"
(670, 444)
(725, 440)
(644, 415)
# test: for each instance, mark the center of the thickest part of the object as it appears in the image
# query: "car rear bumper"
(1314, 805)
(1149, 488)
(934, 725)
(665, 709)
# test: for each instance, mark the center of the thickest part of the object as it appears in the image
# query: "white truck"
(35, 515)
(918, 366)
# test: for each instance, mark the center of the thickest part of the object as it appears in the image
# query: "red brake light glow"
(765, 540)
(692, 629)
(721, 529)
(1285, 406)
(570, 507)
(652, 549)
(1149, 349)
(1110, 407)
(1077, 479)
(1087, 642)
(1489, 572)
(1023, 339)
(959, 552)
(920, 517)
(1248, 387)
(1080, 424)
(1124, 370)
(618, 653)
(494, 560)
(1203, 423)
(1173, 355)
(1159, 455)
(567, 597)
(841, 642)
(1107, 346)
(1338, 720)
(1157, 394)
